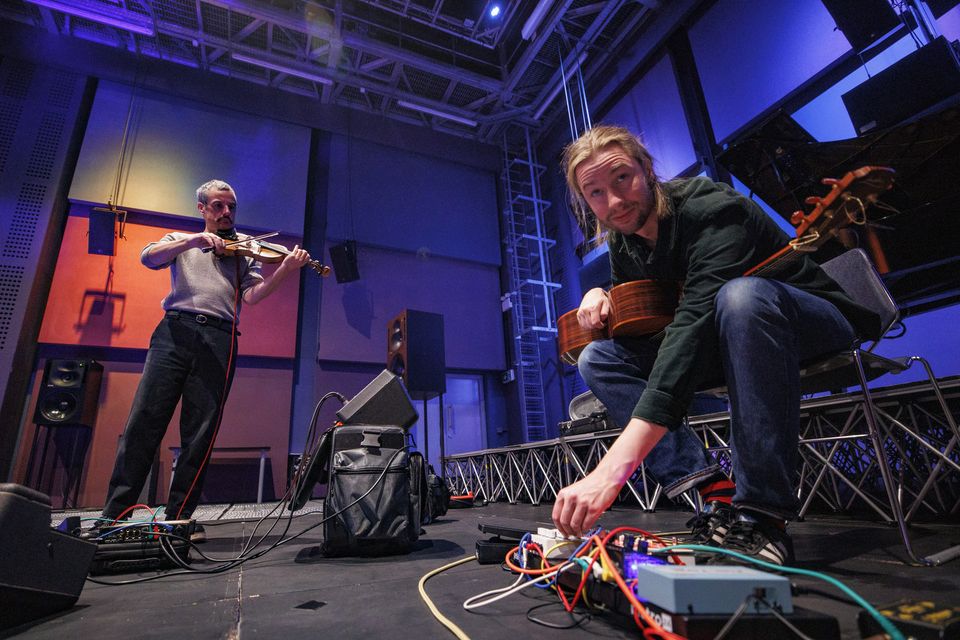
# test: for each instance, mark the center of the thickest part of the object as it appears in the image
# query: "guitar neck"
(772, 266)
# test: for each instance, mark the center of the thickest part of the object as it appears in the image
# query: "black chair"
(856, 367)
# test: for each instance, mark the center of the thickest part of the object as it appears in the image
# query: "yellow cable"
(442, 619)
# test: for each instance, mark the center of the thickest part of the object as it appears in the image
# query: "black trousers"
(189, 361)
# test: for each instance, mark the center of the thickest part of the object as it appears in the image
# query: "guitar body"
(640, 308)
(572, 338)
(643, 307)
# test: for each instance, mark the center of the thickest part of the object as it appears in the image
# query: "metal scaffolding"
(531, 296)
(838, 468)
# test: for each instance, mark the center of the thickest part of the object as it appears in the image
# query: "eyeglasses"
(218, 206)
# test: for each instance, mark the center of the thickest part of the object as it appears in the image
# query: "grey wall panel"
(173, 145)
(354, 316)
(39, 111)
(388, 197)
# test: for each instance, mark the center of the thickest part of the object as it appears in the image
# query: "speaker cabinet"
(102, 235)
(864, 21)
(42, 571)
(69, 393)
(415, 352)
(343, 256)
(916, 82)
(384, 401)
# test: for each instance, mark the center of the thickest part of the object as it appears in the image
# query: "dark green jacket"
(714, 234)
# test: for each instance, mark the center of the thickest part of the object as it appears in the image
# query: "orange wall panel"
(248, 421)
(114, 301)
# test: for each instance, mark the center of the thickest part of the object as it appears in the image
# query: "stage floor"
(293, 592)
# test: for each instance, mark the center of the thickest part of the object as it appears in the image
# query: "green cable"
(888, 627)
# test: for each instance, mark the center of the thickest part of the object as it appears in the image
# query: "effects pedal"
(920, 619)
(150, 546)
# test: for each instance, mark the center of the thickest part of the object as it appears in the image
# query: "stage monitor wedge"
(42, 571)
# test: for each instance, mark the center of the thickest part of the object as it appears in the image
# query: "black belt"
(201, 318)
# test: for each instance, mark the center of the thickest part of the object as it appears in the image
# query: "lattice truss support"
(837, 465)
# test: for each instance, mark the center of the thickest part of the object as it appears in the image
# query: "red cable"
(223, 398)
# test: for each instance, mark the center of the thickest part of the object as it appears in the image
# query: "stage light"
(435, 112)
(257, 62)
(495, 11)
(95, 12)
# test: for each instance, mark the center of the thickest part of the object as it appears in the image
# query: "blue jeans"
(186, 360)
(765, 329)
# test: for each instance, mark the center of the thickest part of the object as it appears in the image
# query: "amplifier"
(138, 548)
(594, 422)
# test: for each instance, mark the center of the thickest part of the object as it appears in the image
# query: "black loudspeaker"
(383, 401)
(344, 259)
(415, 352)
(69, 393)
(864, 21)
(42, 571)
(102, 235)
(915, 82)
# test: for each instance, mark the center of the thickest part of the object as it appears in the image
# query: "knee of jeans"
(744, 298)
(589, 359)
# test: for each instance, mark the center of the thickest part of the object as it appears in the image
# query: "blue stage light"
(495, 11)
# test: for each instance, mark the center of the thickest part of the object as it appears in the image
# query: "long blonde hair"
(593, 141)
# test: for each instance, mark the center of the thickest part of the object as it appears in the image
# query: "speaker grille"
(396, 336)
(59, 406)
(23, 226)
(45, 148)
(9, 120)
(66, 373)
(11, 279)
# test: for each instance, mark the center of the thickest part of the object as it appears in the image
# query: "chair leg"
(887, 475)
(951, 552)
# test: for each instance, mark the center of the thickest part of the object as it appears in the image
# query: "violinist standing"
(192, 353)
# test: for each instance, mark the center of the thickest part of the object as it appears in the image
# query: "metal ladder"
(531, 296)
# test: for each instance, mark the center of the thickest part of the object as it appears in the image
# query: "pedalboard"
(142, 547)
(750, 626)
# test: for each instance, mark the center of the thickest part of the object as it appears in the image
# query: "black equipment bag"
(371, 461)
(437, 496)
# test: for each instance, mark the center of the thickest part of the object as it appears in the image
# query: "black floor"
(293, 592)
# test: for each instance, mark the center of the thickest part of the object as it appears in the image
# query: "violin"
(265, 252)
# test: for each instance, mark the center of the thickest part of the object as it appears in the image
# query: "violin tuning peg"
(796, 218)
(814, 200)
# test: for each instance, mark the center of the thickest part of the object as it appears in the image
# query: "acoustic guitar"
(645, 307)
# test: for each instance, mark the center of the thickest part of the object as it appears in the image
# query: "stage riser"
(837, 470)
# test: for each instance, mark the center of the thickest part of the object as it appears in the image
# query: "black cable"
(575, 620)
(811, 591)
(239, 561)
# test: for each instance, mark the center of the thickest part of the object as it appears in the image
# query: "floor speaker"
(384, 401)
(69, 393)
(42, 571)
(415, 352)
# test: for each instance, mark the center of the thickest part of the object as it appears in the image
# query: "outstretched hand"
(579, 505)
